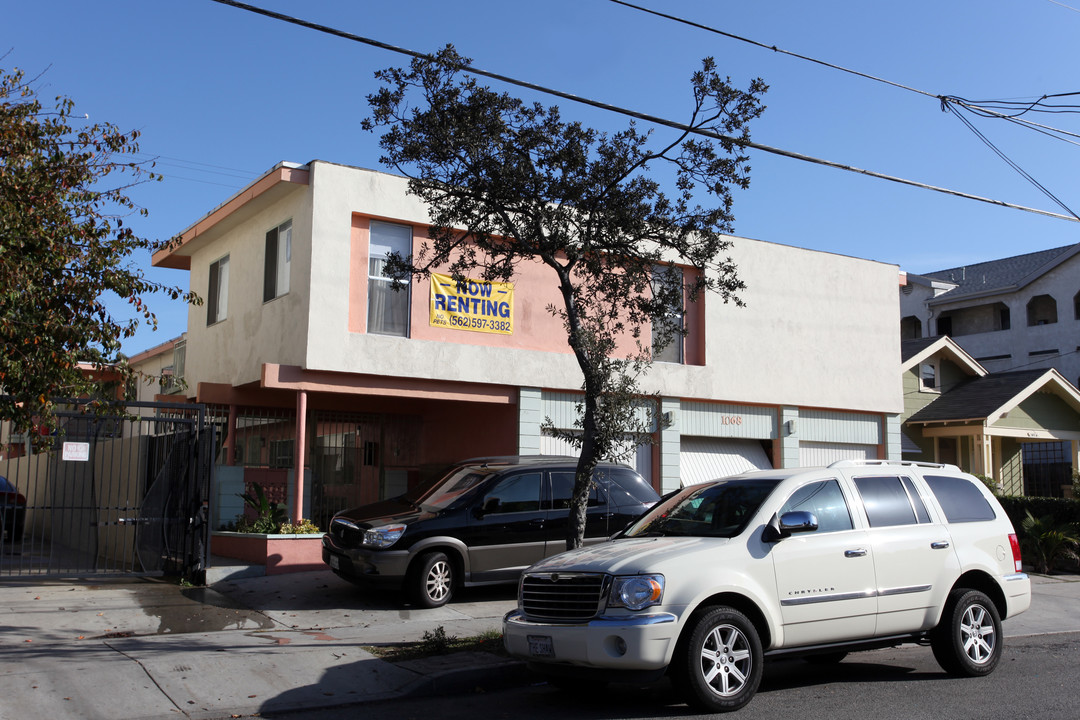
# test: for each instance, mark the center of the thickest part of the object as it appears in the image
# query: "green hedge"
(1016, 506)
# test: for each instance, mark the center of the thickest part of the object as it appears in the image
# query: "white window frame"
(675, 351)
(936, 368)
(379, 250)
(277, 264)
(217, 295)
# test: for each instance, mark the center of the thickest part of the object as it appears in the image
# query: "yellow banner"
(474, 305)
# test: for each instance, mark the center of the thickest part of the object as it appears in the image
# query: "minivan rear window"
(961, 500)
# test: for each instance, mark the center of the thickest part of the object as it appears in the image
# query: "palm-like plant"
(1046, 541)
(269, 515)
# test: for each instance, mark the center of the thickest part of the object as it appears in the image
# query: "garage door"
(640, 461)
(814, 454)
(702, 459)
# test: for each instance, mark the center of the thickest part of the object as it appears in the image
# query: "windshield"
(448, 489)
(720, 509)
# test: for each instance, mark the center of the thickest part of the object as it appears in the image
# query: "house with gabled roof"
(1019, 427)
(1016, 312)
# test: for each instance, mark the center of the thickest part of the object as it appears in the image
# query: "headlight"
(635, 592)
(383, 536)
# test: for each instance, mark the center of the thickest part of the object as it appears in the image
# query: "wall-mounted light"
(790, 427)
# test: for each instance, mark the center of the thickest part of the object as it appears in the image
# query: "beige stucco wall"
(818, 329)
(234, 349)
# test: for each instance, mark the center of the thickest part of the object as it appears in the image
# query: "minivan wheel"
(719, 666)
(968, 640)
(432, 581)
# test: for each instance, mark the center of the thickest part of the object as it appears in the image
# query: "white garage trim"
(640, 461)
(702, 459)
(814, 454)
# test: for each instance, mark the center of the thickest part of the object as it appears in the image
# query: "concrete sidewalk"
(148, 649)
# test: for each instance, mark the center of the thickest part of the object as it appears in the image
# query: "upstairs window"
(217, 294)
(944, 325)
(928, 377)
(1042, 310)
(388, 308)
(278, 261)
(669, 279)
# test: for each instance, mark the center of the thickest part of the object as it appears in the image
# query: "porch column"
(984, 456)
(298, 456)
(229, 446)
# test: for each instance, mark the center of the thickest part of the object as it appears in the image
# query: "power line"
(635, 114)
(982, 109)
(775, 49)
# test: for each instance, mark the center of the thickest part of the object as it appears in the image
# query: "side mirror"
(788, 524)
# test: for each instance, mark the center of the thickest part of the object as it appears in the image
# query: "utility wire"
(1008, 161)
(947, 102)
(638, 115)
(775, 49)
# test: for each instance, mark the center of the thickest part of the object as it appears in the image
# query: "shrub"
(269, 516)
(1048, 541)
(304, 527)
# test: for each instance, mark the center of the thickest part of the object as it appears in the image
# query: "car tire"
(967, 642)
(432, 582)
(719, 666)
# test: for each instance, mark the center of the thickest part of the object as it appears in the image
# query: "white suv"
(812, 562)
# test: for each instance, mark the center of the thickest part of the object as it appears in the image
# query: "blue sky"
(221, 95)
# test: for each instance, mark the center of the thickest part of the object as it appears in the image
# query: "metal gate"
(117, 495)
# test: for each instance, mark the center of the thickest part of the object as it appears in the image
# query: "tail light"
(1015, 543)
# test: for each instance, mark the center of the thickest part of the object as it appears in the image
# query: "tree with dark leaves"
(64, 248)
(507, 183)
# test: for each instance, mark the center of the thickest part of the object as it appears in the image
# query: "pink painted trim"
(291, 377)
(277, 553)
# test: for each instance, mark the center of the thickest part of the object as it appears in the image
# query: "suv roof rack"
(901, 463)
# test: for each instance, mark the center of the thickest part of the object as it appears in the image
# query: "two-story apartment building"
(319, 370)
(1019, 313)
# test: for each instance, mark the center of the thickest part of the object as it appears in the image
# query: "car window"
(886, 501)
(717, 509)
(628, 488)
(515, 493)
(916, 500)
(450, 489)
(826, 501)
(961, 500)
(562, 487)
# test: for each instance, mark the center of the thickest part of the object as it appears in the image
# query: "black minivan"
(483, 522)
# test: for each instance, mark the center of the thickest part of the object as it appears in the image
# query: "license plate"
(540, 646)
(335, 562)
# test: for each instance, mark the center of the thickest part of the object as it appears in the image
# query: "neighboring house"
(1019, 312)
(1020, 427)
(159, 372)
(317, 368)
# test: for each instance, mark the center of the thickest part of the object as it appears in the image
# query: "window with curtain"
(388, 309)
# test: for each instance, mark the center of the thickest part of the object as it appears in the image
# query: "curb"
(473, 679)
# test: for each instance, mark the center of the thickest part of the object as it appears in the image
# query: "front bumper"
(377, 567)
(637, 642)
